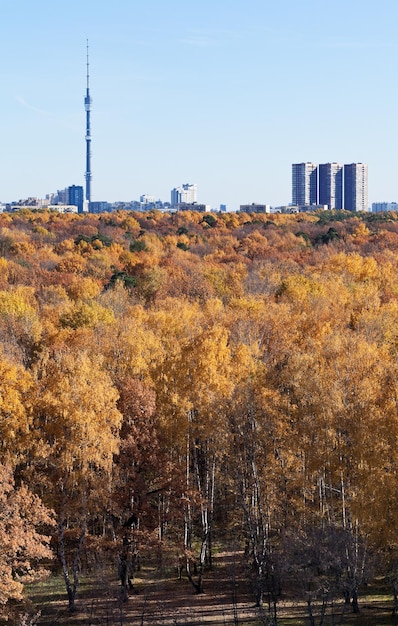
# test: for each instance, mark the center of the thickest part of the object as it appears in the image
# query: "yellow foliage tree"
(19, 321)
(78, 422)
(15, 416)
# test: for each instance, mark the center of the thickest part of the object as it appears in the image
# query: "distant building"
(380, 207)
(100, 207)
(63, 208)
(76, 197)
(186, 194)
(330, 177)
(30, 202)
(60, 208)
(61, 197)
(356, 187)
(192, 206)
(302, 208)
(72, 195)
(145, 199)
(304, 183)
(330, 184)
(255, 208)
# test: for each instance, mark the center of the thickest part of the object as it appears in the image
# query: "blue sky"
(223, 93)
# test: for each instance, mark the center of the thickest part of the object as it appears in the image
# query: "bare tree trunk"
(395, 600)
(127, 560)
(310, 613)
(71, 588)
(204, 476)
(323, 609)
(250, 471)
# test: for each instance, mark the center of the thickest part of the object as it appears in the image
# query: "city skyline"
(215, 93)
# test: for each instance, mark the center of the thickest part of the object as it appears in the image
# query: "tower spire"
(87, 106)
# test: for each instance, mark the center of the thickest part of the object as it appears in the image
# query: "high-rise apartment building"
(356, 187)
(330, 177)
(304, 183)
(331, 184)
(76, 197)
(187, 194)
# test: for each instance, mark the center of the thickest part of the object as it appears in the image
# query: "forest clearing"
(198, 418)
(158, 598)
(164, 599)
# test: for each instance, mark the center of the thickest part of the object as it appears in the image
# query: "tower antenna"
(87, 106)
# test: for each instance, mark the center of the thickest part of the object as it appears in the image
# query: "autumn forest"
(176, 384)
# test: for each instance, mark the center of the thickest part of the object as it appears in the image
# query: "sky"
(226, 94)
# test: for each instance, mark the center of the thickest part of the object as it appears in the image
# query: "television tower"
(87, 106)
